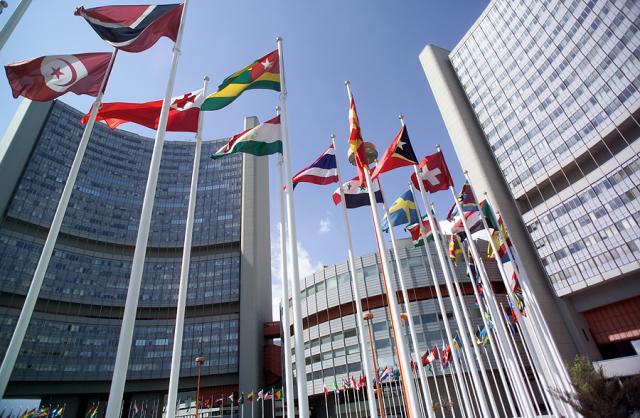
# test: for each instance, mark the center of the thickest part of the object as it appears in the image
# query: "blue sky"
(375, 44)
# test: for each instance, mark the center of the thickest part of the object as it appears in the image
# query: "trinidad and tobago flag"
(134, 28)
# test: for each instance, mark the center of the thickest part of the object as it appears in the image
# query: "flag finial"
(206, 78)
(332, 136)
(279, 39)
(438, 147)
(401, 116)
(346, 82)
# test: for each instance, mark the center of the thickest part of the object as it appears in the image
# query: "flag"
(482, 336)
(29, 414)
(134, 28)
(416, 235)
(434, 173)
(345, 383)
(183, 113)
(399, 154)
(46, 78)
(335, 387)
(502, 249)
(446, 356)
(42, 412)
(264, 73)
(457, 343)
(454, 249)
(356, 195)
(354, 383)
(264, 139)
(230, 398)
(268, 396)
(58, 412)
(356, 143)
(324, 170)
(250, 397)
(260, 394)
(384, 375)
(219, 401)
(428, 357)
(403, 211)
(489, 215)
(363, 381)
(241, 399)
(135, 407)
(325, 390)
(277, 395)
(473, 222)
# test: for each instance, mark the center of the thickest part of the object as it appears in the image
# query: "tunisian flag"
(183, 113)
(46, 78)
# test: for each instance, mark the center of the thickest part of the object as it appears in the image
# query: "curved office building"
(71, 341)
(332, 350)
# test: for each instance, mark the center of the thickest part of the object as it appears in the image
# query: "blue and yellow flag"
(403, 211)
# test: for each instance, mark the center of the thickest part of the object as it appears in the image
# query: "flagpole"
(13, 349)
(510, 357)
(326, 404)
(490, 330)
(495, 380)
(133, 293)
(356, 292)
(391, 294)
(286, 327)
(405, 295)
(436, 284)
(301, 375)
(176, 356)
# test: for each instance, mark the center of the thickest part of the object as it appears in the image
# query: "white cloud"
(325, 225)
(306, 267)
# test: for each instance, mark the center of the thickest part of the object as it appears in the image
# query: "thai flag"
(134, 28)
(324, 170)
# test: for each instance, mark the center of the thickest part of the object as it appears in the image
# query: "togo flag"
(264, 139)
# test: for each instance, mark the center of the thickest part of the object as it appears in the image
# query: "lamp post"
(368, 316)
(199, 361)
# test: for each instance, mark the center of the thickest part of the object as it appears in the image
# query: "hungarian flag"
(399, 154)
(356, 195)
(183, 113)
(434, 173)
(324, 170)
(416, 235)
(264, 139)
(356, 143)
(46, 78)
(263, 73)
(134, 28)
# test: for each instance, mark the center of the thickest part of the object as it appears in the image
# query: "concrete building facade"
(542, 102)
(69, 350)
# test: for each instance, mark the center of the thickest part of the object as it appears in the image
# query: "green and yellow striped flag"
(264, 73)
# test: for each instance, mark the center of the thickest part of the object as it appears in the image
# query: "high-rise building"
(542, 102)
(331, 346)
(69, 351)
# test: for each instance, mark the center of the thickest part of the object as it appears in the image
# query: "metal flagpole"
(490, 330)
(495, 380)
(405, 297)
(273, 403)
(31, 298)
(262, 405)
(301, 376)
(510, 357)
(326, 404)
(434, 277)
(131, 305)
(455, 382)
(286, 328)
(356, 397)
(356, 293)
(537, 378)
(468, 386)
(176, 354)
(454, 303)
(435, 383)
(476, 350)
(336, 395)
(251, 407)
(347, 401)
(391, 296)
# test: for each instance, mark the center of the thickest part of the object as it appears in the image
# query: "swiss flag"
(46, 78)
(434, 172)
(183, 113)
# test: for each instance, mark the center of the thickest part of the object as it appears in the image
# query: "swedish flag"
(403, 211)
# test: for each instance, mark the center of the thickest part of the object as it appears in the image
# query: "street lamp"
(368, 316)
(199, 361)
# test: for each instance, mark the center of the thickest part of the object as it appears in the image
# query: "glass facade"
(84, 290)
(332, 351)
(555, 86)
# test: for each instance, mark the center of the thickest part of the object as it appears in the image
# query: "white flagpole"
(273, 403)
(347, 401)
(446, 387)
(484, 407)
(510, 357)
(435, 383)
(131, 305)
(252, 402)
(490, 331)
(434, 277)
(373, 408)
(356, 397)
(176, 355)
(326, 404)
(30, 300)
(391, 297)
(288, 372)
(337, 398)
(476, 350)
(455, 382)
(536, 376)
(495, 381)
(405, 297)
(12, 22)
(301, 375)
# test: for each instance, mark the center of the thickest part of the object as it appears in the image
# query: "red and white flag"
(46, 78)
(434, 172)
(183, 113)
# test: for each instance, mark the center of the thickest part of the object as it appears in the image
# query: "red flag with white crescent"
(46, 78)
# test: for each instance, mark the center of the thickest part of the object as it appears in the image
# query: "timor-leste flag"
(356, 143)
(399, 154)
(263, 73)
(183, 113)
